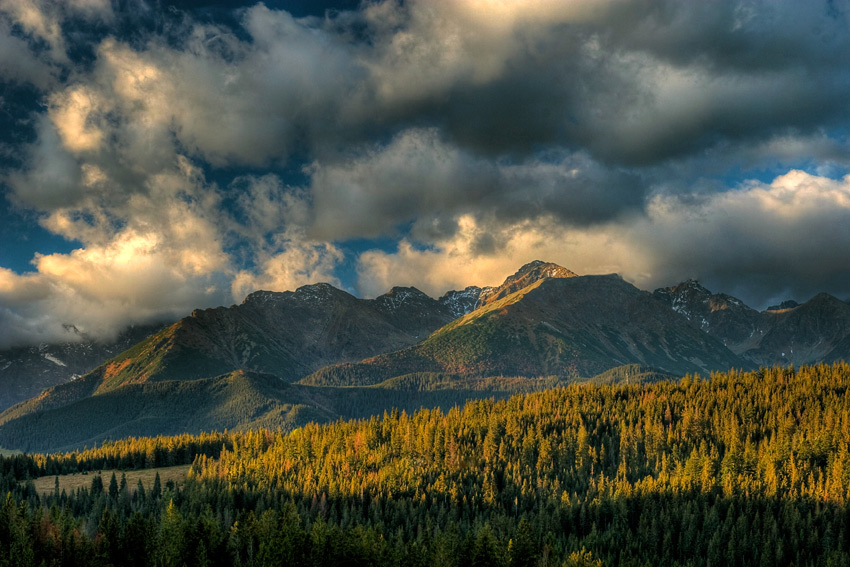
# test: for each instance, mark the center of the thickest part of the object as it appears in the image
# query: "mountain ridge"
(336, 355)
(817, 330)
(580, 325)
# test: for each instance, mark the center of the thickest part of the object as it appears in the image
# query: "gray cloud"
(419, 177)
(761, 242)
(608, 136)
(632, 83)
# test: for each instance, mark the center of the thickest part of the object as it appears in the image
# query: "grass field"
(71, 482)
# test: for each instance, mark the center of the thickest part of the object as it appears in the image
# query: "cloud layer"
(196, 160)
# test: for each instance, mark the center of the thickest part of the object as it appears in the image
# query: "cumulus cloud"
(457, 261)
(760, 242)
(271, 217)
(631, 82)
(42, 20)
(100, 290)
(18, 63)
(301, 262)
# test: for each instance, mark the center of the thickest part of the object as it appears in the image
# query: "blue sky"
(156, 157)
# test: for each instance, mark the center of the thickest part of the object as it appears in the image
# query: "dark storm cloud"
(631, 82)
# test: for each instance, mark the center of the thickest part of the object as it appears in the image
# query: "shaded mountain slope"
(26, 371)
(724, 317)
(815, 331)
(287, 334)
(236, 401)
(577, 326)
(164, 408)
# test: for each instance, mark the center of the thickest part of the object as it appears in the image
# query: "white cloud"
(761, 242)
(101, 290)
(300, 262)
(73, 113)
(457, 262)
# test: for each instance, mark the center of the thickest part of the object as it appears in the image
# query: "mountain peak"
(524, 277)
(399, 296)
(537, 270)
(784, 306)
(261, 297)
(404, 293)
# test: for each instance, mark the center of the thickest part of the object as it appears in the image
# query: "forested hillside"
(739, 469)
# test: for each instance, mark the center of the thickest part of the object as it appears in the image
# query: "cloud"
(42, 20)
(760, 242)
(300, 262)
(101, 290)
(271, 217)
(457, 261)
(630, 82)
(420, 178)
(231, 101)
(18, 63)
(73, 112)
(609, 136)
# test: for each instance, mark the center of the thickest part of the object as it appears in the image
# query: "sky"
(158, 156)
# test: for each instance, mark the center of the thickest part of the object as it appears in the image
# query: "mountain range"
(319, 353)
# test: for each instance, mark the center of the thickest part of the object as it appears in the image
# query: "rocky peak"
(538, 270)
(318, 292)
(682, 297)
(263, 297)
(785, 305)
(524, 277)
(408, 301)
(459, 303)
(721, 315)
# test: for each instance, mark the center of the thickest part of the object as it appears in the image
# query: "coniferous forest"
(741, 468)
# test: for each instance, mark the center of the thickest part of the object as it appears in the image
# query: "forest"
(737, 469)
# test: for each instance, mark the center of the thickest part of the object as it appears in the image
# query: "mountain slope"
(287, 334)
(236, 401)
(818, 330)
(471, 298)
(578, 326)
(162, 408)
(26, 371)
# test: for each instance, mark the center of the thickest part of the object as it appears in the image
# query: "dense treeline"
(740, 469)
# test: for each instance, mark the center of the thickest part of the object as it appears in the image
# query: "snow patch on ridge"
(53, 359)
